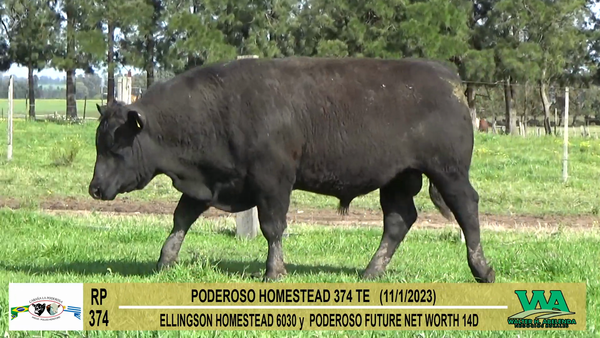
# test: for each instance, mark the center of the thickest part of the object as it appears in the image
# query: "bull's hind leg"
(399, 214)
(272, 211)
(187, 212)
(463, 200)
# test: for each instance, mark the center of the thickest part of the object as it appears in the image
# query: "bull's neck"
(182, 141)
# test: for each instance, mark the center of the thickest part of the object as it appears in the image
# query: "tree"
(476, 62)
(594, 42)
(351, 28)
(261, 28)
(117, 14)
(81, 46)
(33, 26)
(142, 40)
(5, 58)
(503, 34)
(191, 38)
(533, 41)
(553, 27)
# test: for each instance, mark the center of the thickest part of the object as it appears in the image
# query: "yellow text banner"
(335, 306)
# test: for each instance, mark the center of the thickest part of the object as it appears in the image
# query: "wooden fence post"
(119, 85)
(246, 222)
(84, 107)
(11, 106)
(555, 121)
(566, 137)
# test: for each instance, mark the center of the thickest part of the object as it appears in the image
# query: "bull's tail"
(439, 203)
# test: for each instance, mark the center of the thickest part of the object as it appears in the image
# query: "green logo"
(544, 309)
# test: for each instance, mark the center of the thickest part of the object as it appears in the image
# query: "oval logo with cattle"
(46, 309)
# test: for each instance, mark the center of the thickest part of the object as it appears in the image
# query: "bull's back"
(355, 123)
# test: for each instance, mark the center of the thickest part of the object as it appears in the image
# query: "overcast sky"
(20, 71)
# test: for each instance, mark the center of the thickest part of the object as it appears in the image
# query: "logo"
(544, 309)
(45, 306)
(45, 309)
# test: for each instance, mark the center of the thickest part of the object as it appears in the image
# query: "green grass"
(513, 175)
(43, 248)
(49, 106)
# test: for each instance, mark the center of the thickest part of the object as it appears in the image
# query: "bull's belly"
(343, 187)
(229, 197)
(356, 170)
(234, 202)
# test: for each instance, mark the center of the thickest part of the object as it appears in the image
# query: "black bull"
(246, 133)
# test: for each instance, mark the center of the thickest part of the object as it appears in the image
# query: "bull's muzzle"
(95, 191)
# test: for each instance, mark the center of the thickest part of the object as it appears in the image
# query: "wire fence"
(528, 105)
(491, 102)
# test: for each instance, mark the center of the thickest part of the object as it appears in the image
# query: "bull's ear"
(100, 111)
(135, 120)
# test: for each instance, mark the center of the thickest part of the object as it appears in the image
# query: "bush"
(61, 119)
(65, 151)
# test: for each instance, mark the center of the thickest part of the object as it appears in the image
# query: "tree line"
(87, 86)
(544, 43)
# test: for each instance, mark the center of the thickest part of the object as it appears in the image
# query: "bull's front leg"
(187, 212)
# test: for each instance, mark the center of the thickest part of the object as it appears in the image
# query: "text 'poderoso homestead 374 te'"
(246, 133)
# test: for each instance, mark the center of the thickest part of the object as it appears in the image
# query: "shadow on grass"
(232, 233)
(121, 267)
(244, 269)
(256, 269)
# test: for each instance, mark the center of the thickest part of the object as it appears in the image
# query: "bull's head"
(120, 164)
(39, 308)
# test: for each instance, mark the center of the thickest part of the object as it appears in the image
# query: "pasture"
(98, 248)
(535, 228)
(48, 107)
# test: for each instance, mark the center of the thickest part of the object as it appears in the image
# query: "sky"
(20, 71)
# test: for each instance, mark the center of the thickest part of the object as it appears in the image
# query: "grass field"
(513, 175)
(96, 248)
(49, 106)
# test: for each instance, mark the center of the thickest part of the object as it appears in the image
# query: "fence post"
(555, 121)
(11, 103)
(119, 89)
(566, 137)
(128, 87)
(246, 222)
(124, 89)
(84, 107)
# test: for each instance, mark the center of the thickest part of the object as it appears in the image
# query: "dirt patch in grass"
(305, 215)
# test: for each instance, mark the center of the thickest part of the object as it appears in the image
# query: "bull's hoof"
(490, 277)
(267, 279)
(371, 274)
(165, 266)
(273, 276)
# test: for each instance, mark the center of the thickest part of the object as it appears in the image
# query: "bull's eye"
(116, 143)
(121, 138)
